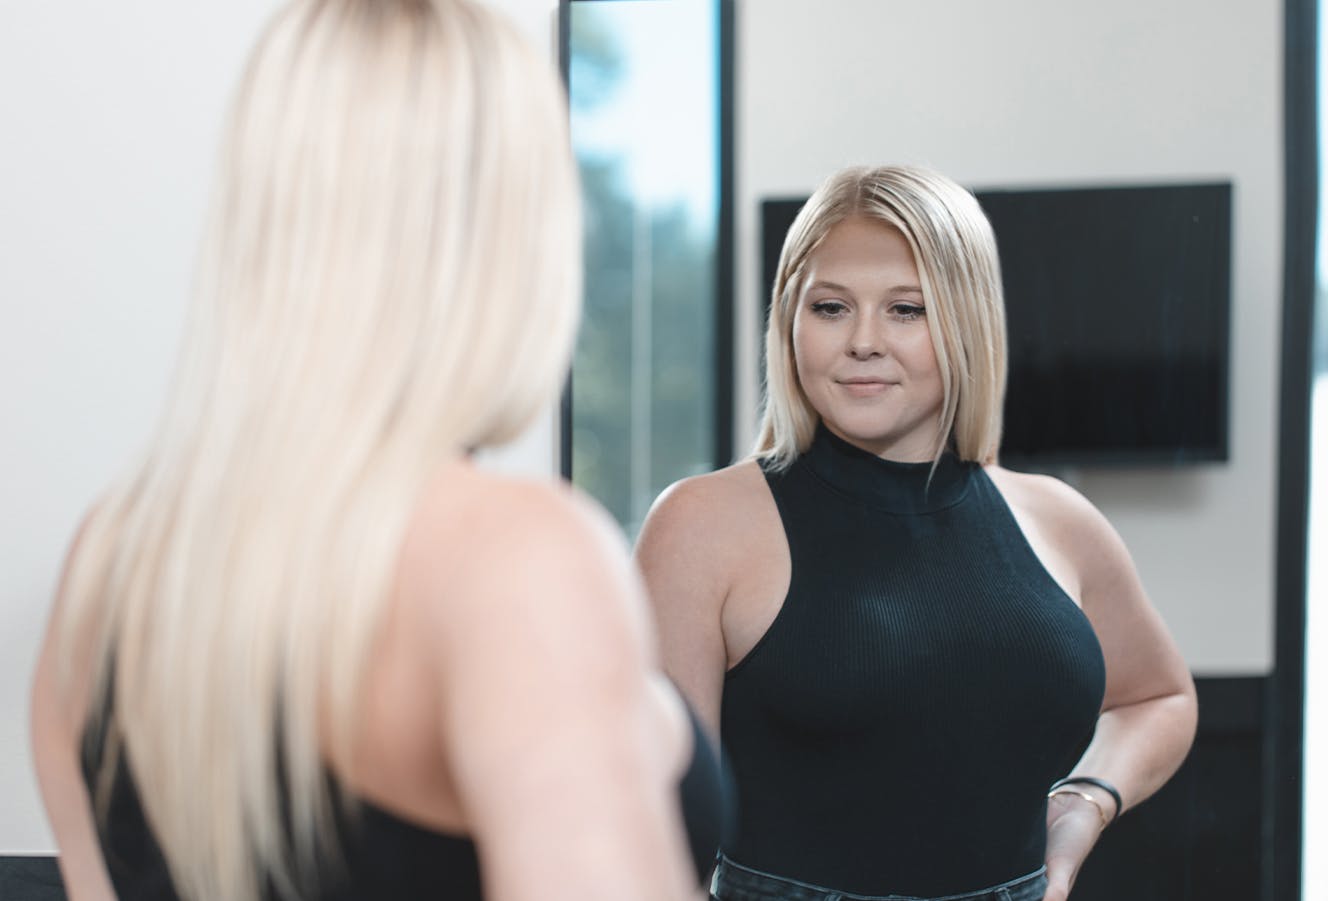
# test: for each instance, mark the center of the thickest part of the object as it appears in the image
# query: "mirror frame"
(1285, 711)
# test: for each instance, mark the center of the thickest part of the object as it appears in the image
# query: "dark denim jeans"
(734, 882)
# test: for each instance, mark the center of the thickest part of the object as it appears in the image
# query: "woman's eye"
(828, 308)
(908, 311)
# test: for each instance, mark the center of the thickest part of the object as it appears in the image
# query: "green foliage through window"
(645, 98)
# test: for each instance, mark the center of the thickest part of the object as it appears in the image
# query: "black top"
(383, 855)
(897, 727)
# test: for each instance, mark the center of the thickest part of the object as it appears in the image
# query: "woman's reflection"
(903, 645)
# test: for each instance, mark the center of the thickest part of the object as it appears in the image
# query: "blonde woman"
(906, 647)
(305, 649)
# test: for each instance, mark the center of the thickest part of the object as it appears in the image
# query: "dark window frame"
(1285, 727)
(724, 236)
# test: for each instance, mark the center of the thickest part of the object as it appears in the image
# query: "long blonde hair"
(955, 251)
(391, 276)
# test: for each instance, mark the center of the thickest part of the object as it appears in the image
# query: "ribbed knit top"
(897, 727)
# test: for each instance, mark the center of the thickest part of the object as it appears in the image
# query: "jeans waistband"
(736, 882)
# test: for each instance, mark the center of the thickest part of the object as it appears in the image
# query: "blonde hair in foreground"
(390, 277)
(955, 253)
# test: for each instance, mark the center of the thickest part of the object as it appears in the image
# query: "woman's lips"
(864, 387)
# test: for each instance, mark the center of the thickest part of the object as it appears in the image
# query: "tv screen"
(1118, 305)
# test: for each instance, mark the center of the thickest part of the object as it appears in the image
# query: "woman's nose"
(866, 340)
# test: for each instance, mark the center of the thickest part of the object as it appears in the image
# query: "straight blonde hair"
(391, 276)
(958, 266)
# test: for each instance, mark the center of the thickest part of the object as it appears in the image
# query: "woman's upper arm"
(1143, 661)
(681, 552)
(68, 806)
(564, 749)
(54, 720)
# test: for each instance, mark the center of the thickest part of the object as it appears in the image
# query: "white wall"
(112, 113)
(1043, 92)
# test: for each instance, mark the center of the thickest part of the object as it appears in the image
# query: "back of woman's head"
(396, 234)
(955, 253)
(390, 276)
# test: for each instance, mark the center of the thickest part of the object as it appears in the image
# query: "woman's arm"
(714, 557)
(681, 561)
(1149, 711)
(55, 722)
(565, 744)
(68, 806)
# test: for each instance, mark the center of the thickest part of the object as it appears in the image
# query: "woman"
(305, 649)
(903, 645)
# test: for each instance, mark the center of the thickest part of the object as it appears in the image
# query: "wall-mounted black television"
(1118, 302)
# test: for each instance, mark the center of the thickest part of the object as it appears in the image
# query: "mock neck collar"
(887, 484)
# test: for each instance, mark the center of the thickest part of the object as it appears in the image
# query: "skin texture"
(519, 704)
(716, 561)
(864, 353)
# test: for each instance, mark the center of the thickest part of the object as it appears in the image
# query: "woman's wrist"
(1072, 798)
(1102, 792)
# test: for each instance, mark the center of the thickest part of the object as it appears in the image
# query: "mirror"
(1030, 94)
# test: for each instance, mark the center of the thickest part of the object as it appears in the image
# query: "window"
(650, 396)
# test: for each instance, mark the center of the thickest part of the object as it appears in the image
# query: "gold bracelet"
(1102, 814)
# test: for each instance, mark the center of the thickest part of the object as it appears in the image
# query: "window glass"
(644, 89)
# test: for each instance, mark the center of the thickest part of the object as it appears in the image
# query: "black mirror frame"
(1285, 758)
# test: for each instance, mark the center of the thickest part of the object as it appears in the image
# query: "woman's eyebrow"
(821, 285)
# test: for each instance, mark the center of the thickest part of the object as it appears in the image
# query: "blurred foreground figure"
(936, 678)
(304, 649)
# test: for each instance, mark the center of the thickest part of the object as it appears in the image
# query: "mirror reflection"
(1033, 96)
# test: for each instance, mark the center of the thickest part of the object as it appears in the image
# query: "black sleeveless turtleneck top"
(896, 729)
(382, 855)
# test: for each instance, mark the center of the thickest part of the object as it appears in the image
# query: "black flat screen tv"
(1118, 306)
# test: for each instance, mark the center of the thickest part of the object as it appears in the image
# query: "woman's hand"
(1073, 825)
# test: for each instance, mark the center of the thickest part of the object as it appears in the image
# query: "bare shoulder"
(539, 645)
(1065, 519)
(1053, 502)
(709, 512)
(711, 540)
(705, 542)
(714, 492)
(499, 547)
(539, 519)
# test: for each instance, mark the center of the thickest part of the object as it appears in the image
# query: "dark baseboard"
(35, 878)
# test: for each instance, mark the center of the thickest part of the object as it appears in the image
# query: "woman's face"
(862, 344)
